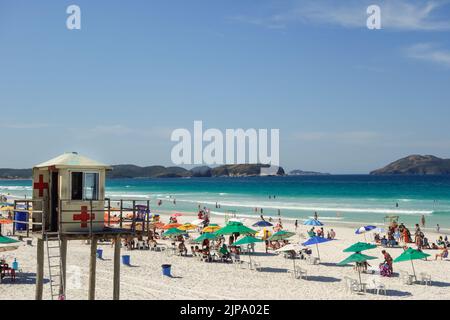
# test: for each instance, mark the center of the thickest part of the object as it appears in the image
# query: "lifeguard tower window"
(85, 186)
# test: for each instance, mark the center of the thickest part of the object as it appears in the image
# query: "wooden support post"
(40, 270)
(116, 285)
(92, 268)
(28, 219)
(63, 278)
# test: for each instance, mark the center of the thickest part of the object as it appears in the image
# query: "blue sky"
(346, 99)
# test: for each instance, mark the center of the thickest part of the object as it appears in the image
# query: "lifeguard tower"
(69, 204)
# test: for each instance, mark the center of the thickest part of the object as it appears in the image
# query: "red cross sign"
(40, 185)
(84, 217)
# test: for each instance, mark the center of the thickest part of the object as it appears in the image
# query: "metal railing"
(132, 212)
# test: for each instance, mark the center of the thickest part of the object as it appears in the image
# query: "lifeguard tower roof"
(72, 159)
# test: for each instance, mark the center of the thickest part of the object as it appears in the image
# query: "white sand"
(199, 280)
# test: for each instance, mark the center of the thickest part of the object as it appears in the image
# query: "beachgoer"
(438, 228)
(387, 260)
(296, 225)
(316, 216)
(423, 221)
(442, 255)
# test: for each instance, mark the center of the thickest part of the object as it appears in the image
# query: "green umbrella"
(360, 246)
(411, 254)
(247, 240)
(173, 232)
(7, 240)
(358, 258)
(209, 236)
(281, 235)
(235, 227)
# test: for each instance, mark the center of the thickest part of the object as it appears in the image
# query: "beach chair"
(425, 278)
(255, 266)
(236, 259)
(406, 278)
(300, 273)
(351, 285)
(376, 286)
(313, 260)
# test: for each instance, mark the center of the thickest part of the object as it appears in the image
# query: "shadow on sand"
(322, 279)
(276, 270)
(23, 278)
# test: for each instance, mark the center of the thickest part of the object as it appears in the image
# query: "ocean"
(355, 199)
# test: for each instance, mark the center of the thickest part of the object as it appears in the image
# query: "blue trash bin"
(166, 270)
(20, 216)
(126, 260)
(100, 253)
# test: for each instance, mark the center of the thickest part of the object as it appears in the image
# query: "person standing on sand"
(315, 215)
(438, 228)
(423, 221)
(296, 225)
(262, 218)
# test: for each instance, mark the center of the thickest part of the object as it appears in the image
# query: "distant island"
(416, 165)
(133, 171)
(307, 173)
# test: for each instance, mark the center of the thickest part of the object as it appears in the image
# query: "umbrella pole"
(250, 257)
(318, 253)
(359, 273)
(414, 271)
(294, 265)
(365, 239)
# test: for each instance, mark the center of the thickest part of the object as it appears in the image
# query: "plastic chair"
(425, 278)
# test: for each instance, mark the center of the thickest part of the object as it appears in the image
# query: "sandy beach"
(193, 279)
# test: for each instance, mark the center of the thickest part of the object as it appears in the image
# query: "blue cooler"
(20, 216)
(126, 260)
(166, 270)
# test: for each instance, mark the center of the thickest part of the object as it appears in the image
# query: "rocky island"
(416, 165)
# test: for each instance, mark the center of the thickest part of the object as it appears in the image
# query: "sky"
(346, 99)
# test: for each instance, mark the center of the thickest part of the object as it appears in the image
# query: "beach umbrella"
(246, 241)
(240, 220)
(262, 224)
(357, 258)
(235, 227)
(187, 226)
(8, 244)
(209, 236)
(364, 229)
(171, 226)
(290, 247)
(360, 246)
(212, 228)
(411, 254)
(176, 215)
(198, 222)
(316, 241)
(158, 225)
(313, 222)
(281, 235)
(173, 232)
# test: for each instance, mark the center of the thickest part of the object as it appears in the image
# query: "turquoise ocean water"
(347, 198)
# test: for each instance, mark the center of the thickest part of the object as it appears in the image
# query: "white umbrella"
(241, 220)
(290, 247)
(198, 222)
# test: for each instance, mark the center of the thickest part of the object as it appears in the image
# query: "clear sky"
(345, 98)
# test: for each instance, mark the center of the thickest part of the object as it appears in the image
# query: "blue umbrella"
(313, 222)
(262, 223)
(364, 229)
(316, 241)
